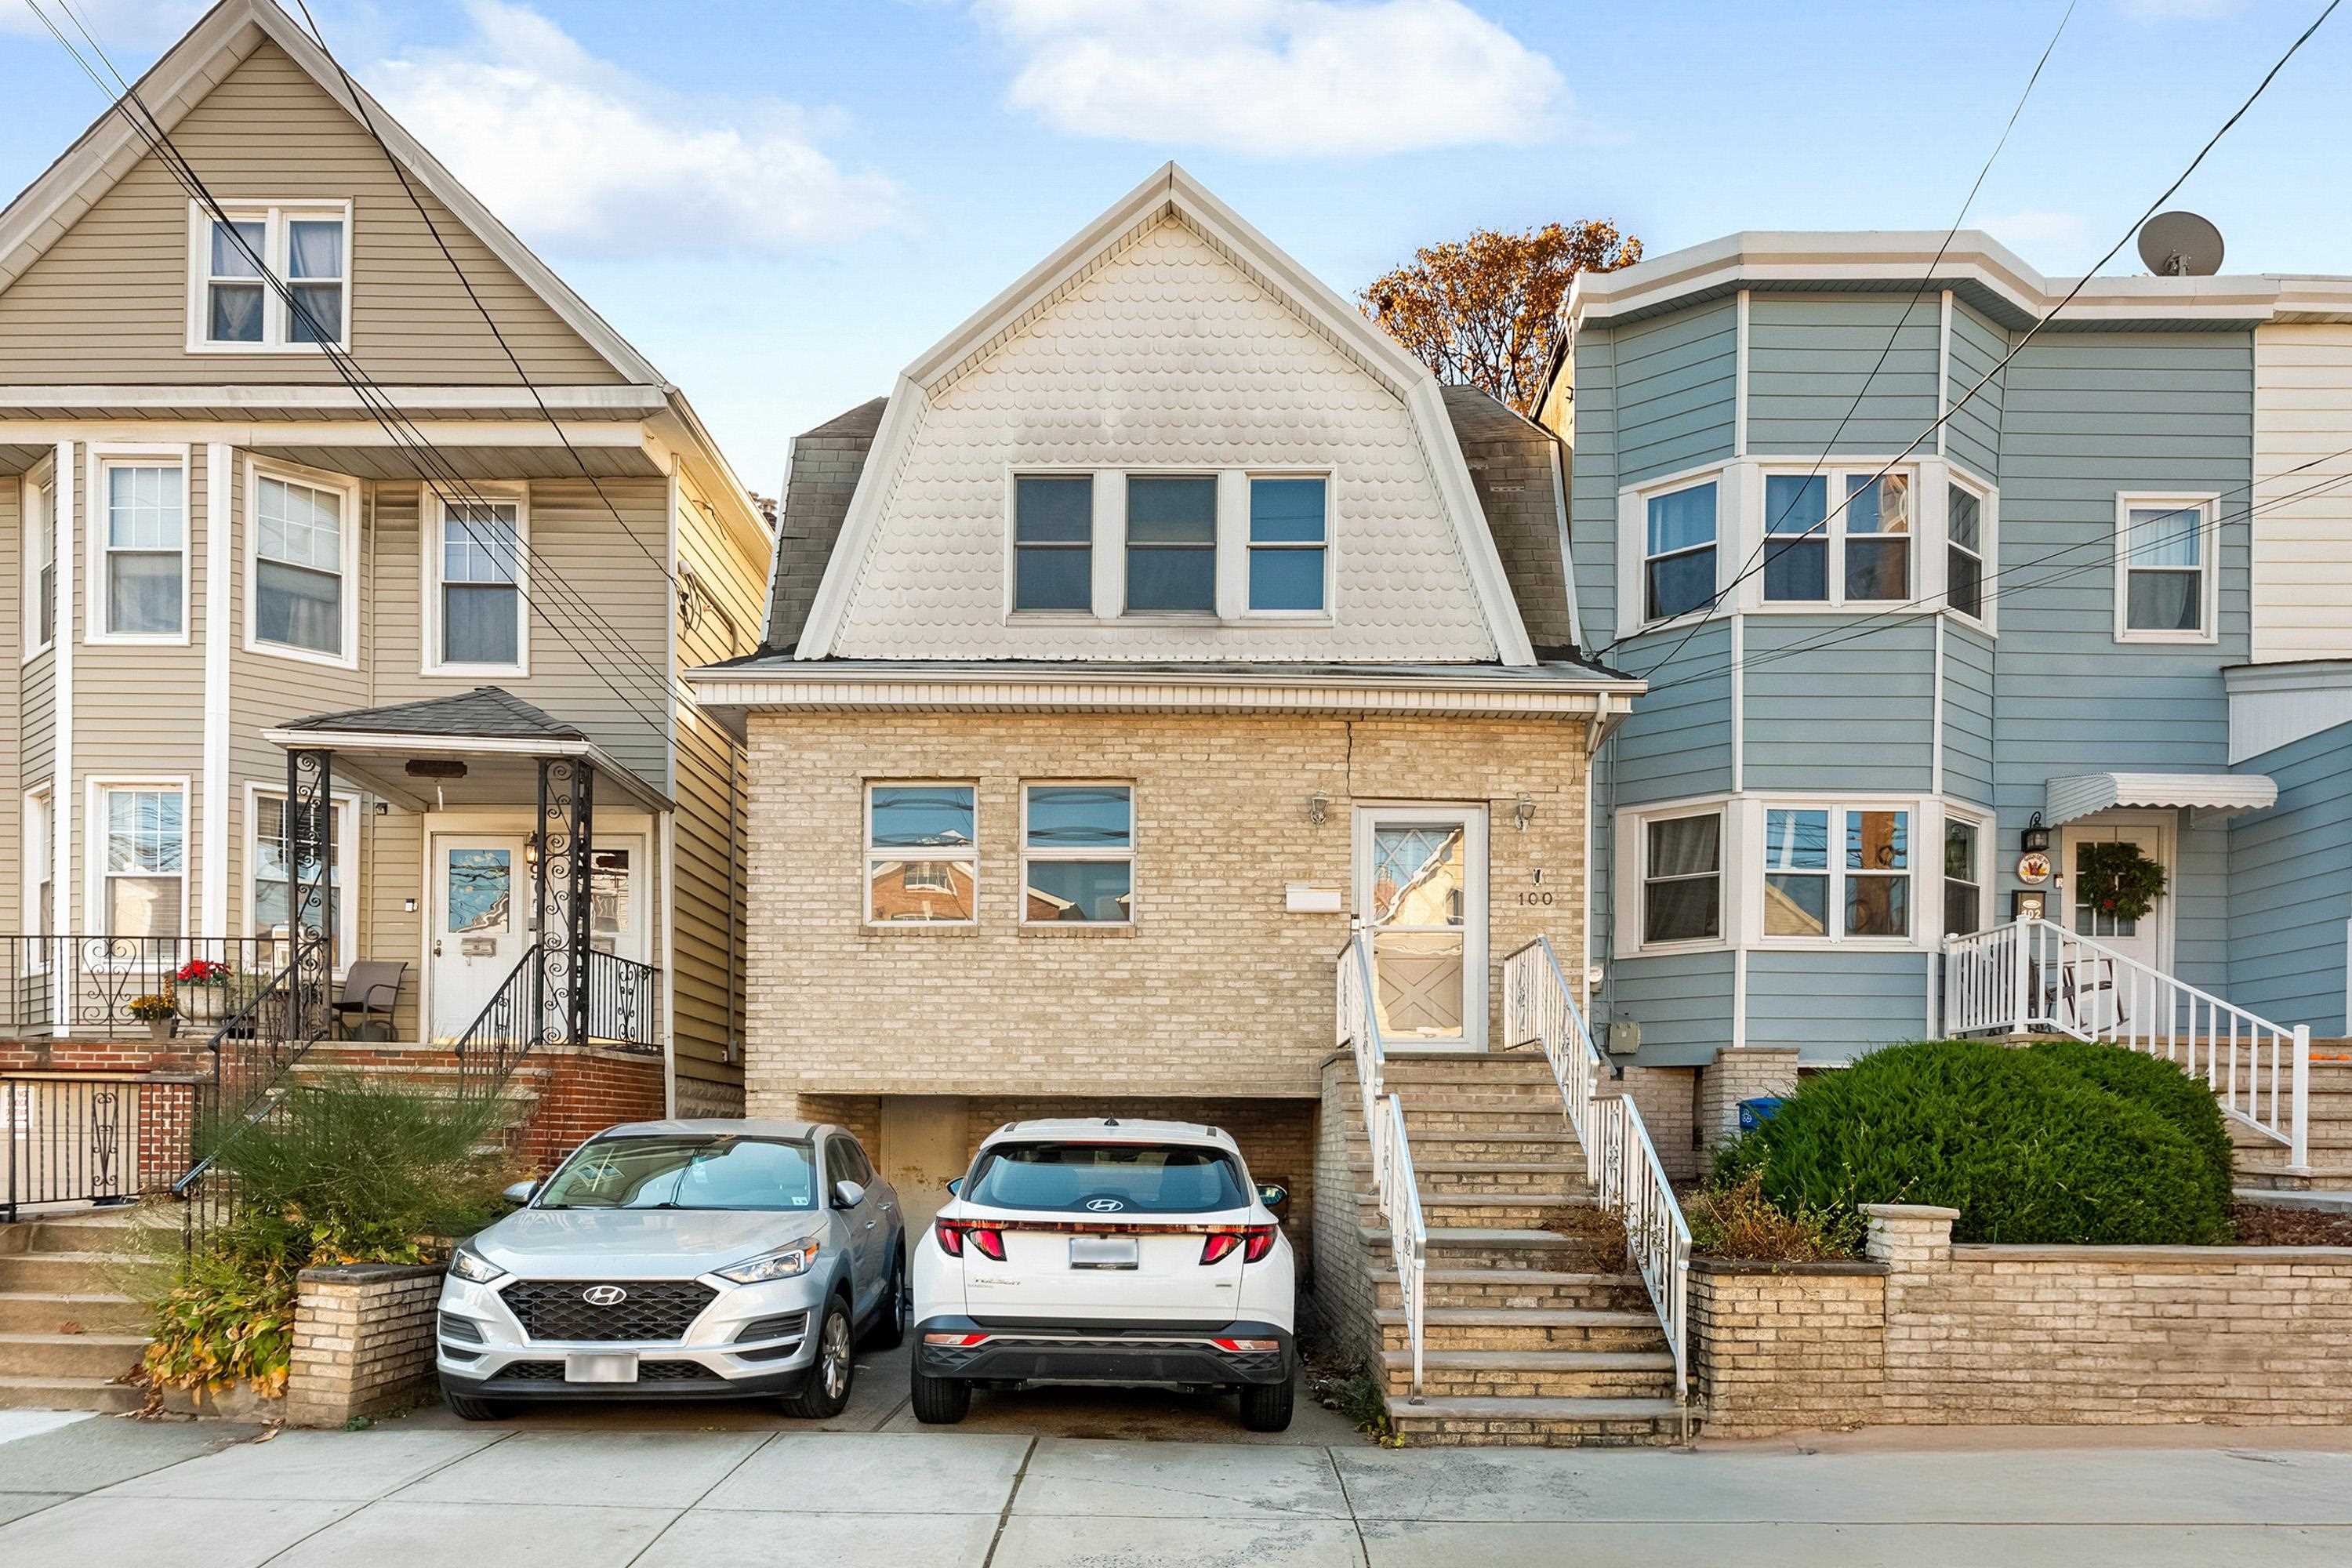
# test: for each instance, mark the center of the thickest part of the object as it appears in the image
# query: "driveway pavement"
(586, 1492)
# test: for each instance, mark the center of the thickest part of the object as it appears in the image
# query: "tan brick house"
(1164, 626)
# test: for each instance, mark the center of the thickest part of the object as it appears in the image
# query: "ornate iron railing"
(84, 985)
(1393, 1181)
(624, 1003)
(250, 1056)
(1620, 1161)
(73, 1138)
(2030, 976)
(503, 1031)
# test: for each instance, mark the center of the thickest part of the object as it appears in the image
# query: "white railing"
(2032, 977)
(1620, 1161)
(1393, 1181)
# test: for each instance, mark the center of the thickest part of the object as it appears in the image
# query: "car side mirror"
(955, 1187)
(847, 1195)
(520, 1193)
(1272, 1195)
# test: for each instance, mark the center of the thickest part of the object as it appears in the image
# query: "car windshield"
(707, 1172)
(1107, 1178)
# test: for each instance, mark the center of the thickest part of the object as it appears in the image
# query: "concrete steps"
(1533, 1374)
(1490, 1422)
(70, 1394)
(1532, 1289)
(69, 1355)
(72, 1313)
(1512, 1329)
(1442, 1176)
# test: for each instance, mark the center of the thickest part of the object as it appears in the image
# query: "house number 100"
(1537, 896)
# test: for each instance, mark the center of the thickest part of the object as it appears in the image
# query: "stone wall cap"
(1908, 1211)
(366, 1273)
(2011, 1252)
(1830, 1266)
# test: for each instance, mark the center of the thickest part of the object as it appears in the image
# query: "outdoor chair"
(370, 993)
(2060, 986)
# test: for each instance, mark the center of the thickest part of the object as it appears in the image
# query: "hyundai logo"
(1104, 1205)
(603, 1295)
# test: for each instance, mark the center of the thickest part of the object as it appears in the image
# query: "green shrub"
(2184, 1102)
(2027, 1150)
(1738, 1221)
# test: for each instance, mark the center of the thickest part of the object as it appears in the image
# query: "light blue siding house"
(1915, 587)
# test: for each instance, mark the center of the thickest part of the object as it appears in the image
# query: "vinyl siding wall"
(1809, 357)
(2302, 547)
(1832, 1004)
(2291, 887)
(1968, 713)
(1828, 717)
(1674, 377)
(1972, 433)
(14, 777)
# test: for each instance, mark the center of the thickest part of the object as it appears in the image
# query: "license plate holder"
(606, 1366)
(1104, 1252)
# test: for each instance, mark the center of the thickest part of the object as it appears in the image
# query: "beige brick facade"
(1215, 991)
(363, 1342)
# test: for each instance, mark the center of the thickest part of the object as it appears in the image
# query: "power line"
(2032, 332)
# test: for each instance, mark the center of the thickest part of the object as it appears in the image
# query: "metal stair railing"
(2030, 976)
(502, 1034)
(1393, 1181)
(1620, 1161)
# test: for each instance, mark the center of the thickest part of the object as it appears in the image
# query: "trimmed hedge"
(2163, 1088)
(2029, 1150)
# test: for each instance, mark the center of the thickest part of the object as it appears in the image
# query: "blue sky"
(783, 203)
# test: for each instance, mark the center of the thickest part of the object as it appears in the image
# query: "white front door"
(2100, 997)
(1421, 890)
(481, 894)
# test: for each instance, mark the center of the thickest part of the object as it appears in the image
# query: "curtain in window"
(478, 625)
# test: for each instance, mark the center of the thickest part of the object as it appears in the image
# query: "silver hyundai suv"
(680, 1260)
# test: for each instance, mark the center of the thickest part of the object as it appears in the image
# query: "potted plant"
(158, 1012)
(200, 972)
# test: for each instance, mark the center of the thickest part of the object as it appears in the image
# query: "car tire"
(827, 1393)
(1266, 1407)
(888, 1330)
(940, 1401)
(471, 1407)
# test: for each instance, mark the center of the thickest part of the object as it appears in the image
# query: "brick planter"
(363, 1342)
(1777, 1347)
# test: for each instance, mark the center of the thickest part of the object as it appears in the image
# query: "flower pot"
(161, 1028)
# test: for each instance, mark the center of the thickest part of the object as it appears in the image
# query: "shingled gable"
(1169, 191)
(487, 712)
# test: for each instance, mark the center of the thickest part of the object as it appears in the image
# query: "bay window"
(1796, 537)
(1877, 536)
(40, 549)
(1837, 536)
(141, 550)
(2165, 581)
(303, 534)
(1796, 872)
(1964, 551)
(922, 859)
(1878, 873)
(269, 277)
(1682, 878)
(271, 906)
(1077, 852)
(142, 869)
(1834, 873)
(1963, 879)
(1678, 560)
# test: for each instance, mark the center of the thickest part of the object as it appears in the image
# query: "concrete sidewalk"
(106, 1491)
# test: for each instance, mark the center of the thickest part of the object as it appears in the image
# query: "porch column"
(566, 832)
(310, 849)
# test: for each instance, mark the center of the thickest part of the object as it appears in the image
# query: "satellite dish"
(2180, 245)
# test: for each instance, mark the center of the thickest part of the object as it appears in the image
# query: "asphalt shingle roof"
(487, 712)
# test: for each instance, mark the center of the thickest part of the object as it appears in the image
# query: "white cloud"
(2046, 239)
(1278, 77)
(115, 24)
(580, 153)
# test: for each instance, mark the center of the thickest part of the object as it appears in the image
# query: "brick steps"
(1442, 1176)
(1533, 1373)
(1457, 1209)
(1483, 1421)
(1534, 1290)
(70, 1394)
(1533, 1329)
(1503, 1248)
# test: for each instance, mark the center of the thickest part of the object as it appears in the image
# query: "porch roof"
(2080, 794)
(490, 730)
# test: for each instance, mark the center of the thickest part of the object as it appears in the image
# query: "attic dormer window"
(1052, 541)
(1171, 543)
(273, 278)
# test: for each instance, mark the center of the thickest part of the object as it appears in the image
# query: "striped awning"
(2080, 794)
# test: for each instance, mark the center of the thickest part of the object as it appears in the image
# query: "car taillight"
(1256, 1240)
(987, 1238)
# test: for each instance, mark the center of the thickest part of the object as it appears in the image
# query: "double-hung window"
(1052, 541)
(1837, 537)
(1877, 537)
(1963, 881)
(1171, 543)
(143, 868)
(144, 550)
(1963, 571)
(1077, 852)
(40, 871)
(301, 537)
(273, 888)
(2165, 578)
(922, 859)
(1796, 872)
(1796, 537)
(40, 530)
(478, 603)
(1289, 540)
(1833, 873)
(1682, 878)
(1678, 560)
(270, 277)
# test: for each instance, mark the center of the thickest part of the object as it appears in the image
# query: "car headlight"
(468, 1264)
(781, 1265)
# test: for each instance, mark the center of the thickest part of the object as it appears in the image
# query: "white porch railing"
(1619, 1158)
(2032, 977)
(1393, 1175)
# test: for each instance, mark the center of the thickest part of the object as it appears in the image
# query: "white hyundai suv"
(1105, 1251)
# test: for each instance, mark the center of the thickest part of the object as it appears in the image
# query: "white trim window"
(295, 300)
(1861, 554)
(143, 861)
(141, 551)
(1171, 544)
(1077, 853)
(39, 511)
(476, 608)
(269, 892)
(2167, 585)
(1964, 840)
(1289, 545)
(1968, 528)
(303, 531)
(40, 872)
(1856, 887)
(1053, 542)
(1682, 878)
(1678, 559)
(922, 854)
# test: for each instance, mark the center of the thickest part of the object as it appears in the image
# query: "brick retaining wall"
(363, 1342)
(1931, 1333)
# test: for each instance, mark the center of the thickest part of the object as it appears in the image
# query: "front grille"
(787, 1325)
(464, 1330)
(647, 1372)
(532, 1371)
(655, 1309)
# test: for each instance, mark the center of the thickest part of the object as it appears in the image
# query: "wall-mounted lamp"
(1319, 805)
(1524, 812)
(2035, 839)
(530, 851)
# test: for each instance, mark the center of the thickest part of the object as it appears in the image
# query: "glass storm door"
(481, 906)
(1421, 891)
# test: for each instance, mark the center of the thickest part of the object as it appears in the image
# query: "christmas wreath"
(2118, 879)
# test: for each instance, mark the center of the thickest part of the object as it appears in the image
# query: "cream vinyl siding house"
(310, 555)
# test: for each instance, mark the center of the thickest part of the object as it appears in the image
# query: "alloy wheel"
(836, 1354)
